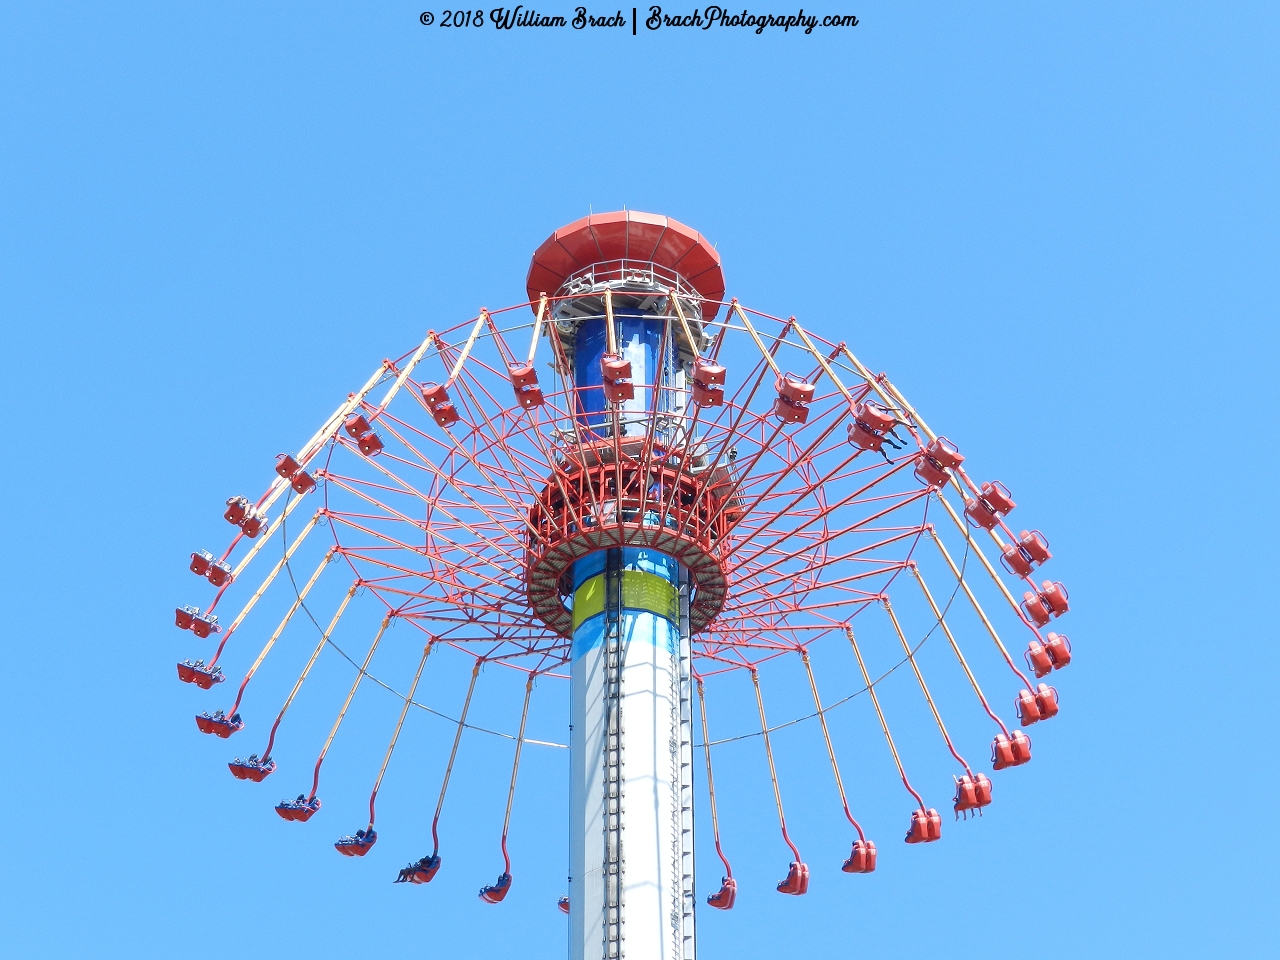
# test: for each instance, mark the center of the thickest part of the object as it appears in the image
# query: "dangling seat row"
(726, 896)
(358, 429)
(616, 373)
(872, 426)
(972, 793)
(935, 462)
(926, 826)
(241, 513)
(708, 383)
(1046, 603)
(862, 859)
(1053, 654)
(1031, 550)
(202, 676)
(496, 892)
(190, 618)
(205, 564)
(358, 844)
(436, 397)
(990, 506)
(794, 396)
(797, 882)
(253, 768)
(524, 380)
(1010, 750)
(421, 871)
(219, 724)
(1037, 706)
(302, 809)
(299, 479)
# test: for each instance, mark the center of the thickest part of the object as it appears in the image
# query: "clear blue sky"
(1054, 225)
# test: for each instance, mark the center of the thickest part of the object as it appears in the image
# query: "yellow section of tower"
(640, 591)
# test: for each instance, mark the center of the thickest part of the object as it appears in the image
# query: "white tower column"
(631, 849)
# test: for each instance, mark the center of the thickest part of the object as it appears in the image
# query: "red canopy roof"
(627, 235)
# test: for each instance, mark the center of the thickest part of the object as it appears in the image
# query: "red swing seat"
(620, 391)
(708, 379)
(1054, 595)
(797, 882)
(705, 396)
(1015, 560)
(1035, 546)
(926, 826)
(1058, 647)
(615, 373)
(203, 624)
(184, 616)
(357, 846)
(426, 869)
(302, 482)
(1010, 751)
(863, 438)
(301, 810)
(237, 510)
(615, 367)
(862, 859)
(286, 466)
(356, 425)
(219, 573)
(794, 396)
(996, 496)
(218, 724)
(358, 429)
(1038, 658)
(794, 389)
(972, 793)
(874, 416)
(252, 769)
(1036, 608)
(944, 453)
(436, 397)
(724, 898)
(989, 506)
(707, 373)
(524, 381)
(929, 473)
(940, 456)
(254, 523)
(1037, 706)
(496, 892)
(198, 673)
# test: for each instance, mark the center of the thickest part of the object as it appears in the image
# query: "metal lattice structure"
(634, 485)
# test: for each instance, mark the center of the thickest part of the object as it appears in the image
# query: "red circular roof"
(628, 235)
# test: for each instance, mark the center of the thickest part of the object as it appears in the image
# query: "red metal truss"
(798, 490)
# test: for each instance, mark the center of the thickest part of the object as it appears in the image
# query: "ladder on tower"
(684, 770)
(613, 787)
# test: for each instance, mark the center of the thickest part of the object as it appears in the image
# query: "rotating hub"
(604, 501)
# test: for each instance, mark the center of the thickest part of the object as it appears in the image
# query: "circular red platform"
(628, 235)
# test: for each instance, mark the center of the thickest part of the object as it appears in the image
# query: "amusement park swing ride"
(635, 487)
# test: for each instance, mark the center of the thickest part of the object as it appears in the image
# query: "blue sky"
(1054, 226)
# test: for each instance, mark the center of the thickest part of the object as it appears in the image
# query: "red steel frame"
(789, 530)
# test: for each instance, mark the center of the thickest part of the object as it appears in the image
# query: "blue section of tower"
(639, 339)
(641, 559)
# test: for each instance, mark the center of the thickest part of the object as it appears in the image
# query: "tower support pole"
(631, 803)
